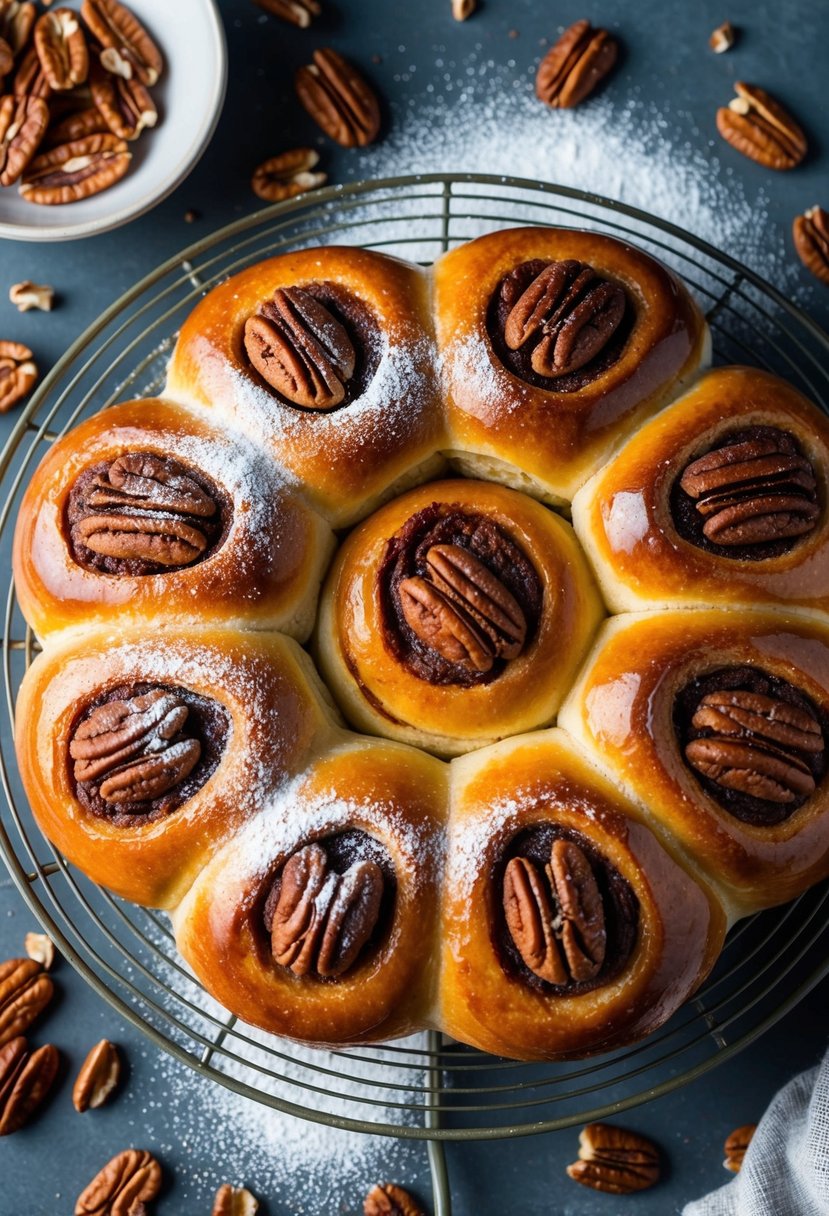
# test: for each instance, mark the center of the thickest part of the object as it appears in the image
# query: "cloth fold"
(786, 1168)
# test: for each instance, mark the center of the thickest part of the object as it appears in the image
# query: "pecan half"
(23, 122)
(78, 124)
(18, 374)
(570, 312)
(41, 948)
(296, 12)
(25, 991)
(61, 48)
(16, 22)
(234, 1201)
(75, 170)
(99, 1075)
(143, 538)
(339, 99)
(575, 65)
(757, 125)
(755, 744)
(125, 105)
(134, 748)
(736, 1146)
(556, 917)
(25, 1080)
(28, 295)
(388, 1199)
(6, 58)
(723, 38)
(467, 582)
(442, 626)
(322, 920)
(30, 79)
(754, 491)
(300, 349)
(287, 175)
(615, 1160)
(810, 232)
(122, 1187)
(118, 29)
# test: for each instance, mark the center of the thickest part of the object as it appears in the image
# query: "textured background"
(458, 97)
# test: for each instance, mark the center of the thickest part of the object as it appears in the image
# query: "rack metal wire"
(425, 1088)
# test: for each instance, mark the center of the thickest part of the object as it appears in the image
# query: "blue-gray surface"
(423, 55)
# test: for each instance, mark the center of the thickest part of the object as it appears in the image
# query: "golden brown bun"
(348, 459)
(623, 515)
(498, 793)
(622, 710)
(264, 574)
(397, 796)
(381, 694)
(541, 440)
(271, 697)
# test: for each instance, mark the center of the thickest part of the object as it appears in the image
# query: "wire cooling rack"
(428, 1087)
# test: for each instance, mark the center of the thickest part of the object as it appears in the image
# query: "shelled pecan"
(339, 99)
(118, 30)
(736, 1146)
(125, 105)
(300, 349)
(26, 1078)
(575, 65)
(98, 1077)
(61, 47)
(23, 122)
(25, 991)
(757, 125)
(615, 1160)
(234, 1201)
(18, 374)
(296, 12)
(388, 1199)
(810, 232)
(287, 175)
(17, 20)
(75, 170)
(122, 1188)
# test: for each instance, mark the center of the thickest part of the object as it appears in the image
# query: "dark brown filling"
(405, 557)
(212, 528)
(504, 299)
(207, 721)
(769, 743)
(621, 907)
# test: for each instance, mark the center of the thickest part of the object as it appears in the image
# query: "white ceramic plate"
(189, 97)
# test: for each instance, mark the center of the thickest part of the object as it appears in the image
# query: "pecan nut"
(25, 1080)
(122, 1188)
(30, 79)
(25, 991)
(287, 175)
(443, 627)
(300, 349)
(339, 99)
(467, 582)
(556, 916)
(23, 122)
(722, 39)
(388, 1199)
(28, 295)
(736, 1146)
(99, 1075)
(570, 313)
(41, 948)
(124, 103)
(296, 12)
(17, 20)
(755, 744)
(18, 374)
(61, 48)
(234, 1201)
(118, 29)
(75, 170)
(754, 491)
(6, 58)
(575, 65)
(322, 919)
(810, 232)
(757, 125)
(615, 1160)
(78, 124)
(134, 749)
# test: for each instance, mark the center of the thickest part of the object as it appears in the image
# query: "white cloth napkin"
(786, 1168)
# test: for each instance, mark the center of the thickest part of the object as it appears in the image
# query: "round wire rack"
(426, 1087)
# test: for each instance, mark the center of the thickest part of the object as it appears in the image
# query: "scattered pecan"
(297, 12)
(25, 991)
(28, 295)
(125, 105)
(6, 58)
(387, 1199)
(41, 948)
(134, 747)
(556, 917)
(755, 744)
(339, 99)
(462, 9)
(18, 374)
(811, 240)
(234, 1201)
(75, 170)
(118, 29)
(615, 1160)
(122, 1188)
(300, 349)
(23, 122)
(722, 38)
(574, 66)
(25, 1080)
(570, 312)
(753, 491)
(16, 23)
(322, 920)
(736, 1146)
(761, 128)
(30, 79)
(61, 48)
(287, 175)
(98, 1077)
